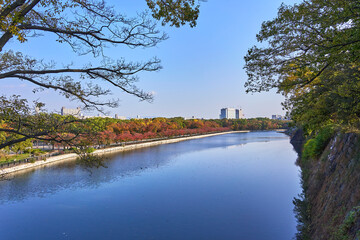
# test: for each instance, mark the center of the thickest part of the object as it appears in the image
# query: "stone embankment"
(73, 156)
(332, 189)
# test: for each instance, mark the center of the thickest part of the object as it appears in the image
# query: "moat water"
(233, 186)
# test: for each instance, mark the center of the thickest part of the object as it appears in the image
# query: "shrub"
(37, 151)
(352, 217)
(315, 146)
(28, 150)
(323, 138)
(309, 149)
(90, 150)
(34, 151)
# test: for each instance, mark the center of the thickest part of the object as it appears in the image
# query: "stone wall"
(332, 189)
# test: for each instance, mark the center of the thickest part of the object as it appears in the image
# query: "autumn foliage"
(109, 131)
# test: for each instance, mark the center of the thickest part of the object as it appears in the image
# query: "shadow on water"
(49, 180)
(302, 214)
(301, 203)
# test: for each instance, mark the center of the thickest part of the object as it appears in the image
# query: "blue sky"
(202, 66)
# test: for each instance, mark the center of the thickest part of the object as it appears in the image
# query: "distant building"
(278, 117)
(77, 113)
(103, 116)
(231, 113)
(239, 114)
(192, 117)
(37, 110)
(98, 116)
(70, 111)
(120, 117)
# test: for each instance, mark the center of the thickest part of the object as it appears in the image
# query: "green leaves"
(315, 35)
(175, 12)
(334, 98)
(310, 54)
(315, 146)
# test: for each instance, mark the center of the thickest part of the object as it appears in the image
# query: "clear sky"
(202, 66)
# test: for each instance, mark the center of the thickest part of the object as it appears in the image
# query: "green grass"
(11, 158)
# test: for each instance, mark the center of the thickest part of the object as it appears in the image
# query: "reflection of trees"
(302, 214)
(70, 176)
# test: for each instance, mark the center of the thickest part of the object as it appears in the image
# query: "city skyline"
(225, 113)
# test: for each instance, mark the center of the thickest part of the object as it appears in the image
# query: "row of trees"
(254, 124)
(115, 131)
(106, 131)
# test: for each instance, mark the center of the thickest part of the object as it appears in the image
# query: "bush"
(28, 150)
(34, 151)
(344, 229)
(315, 146)
(309, 149)
(90, 150)
(37, 151)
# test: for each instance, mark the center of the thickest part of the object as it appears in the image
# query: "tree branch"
(8, 35)
(8, 9)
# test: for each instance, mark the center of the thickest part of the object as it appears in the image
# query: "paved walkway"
(73, 156)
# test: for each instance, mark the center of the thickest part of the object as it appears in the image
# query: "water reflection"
(68, 175)
(235, 186)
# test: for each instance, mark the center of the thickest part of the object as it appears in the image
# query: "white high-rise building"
(231, 113)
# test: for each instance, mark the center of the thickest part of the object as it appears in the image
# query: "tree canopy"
(175, 12)
(87, 27)
(310, 52)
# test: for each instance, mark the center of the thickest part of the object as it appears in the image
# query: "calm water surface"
(234, 186)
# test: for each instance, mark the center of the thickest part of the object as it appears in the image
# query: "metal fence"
(28, 160)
